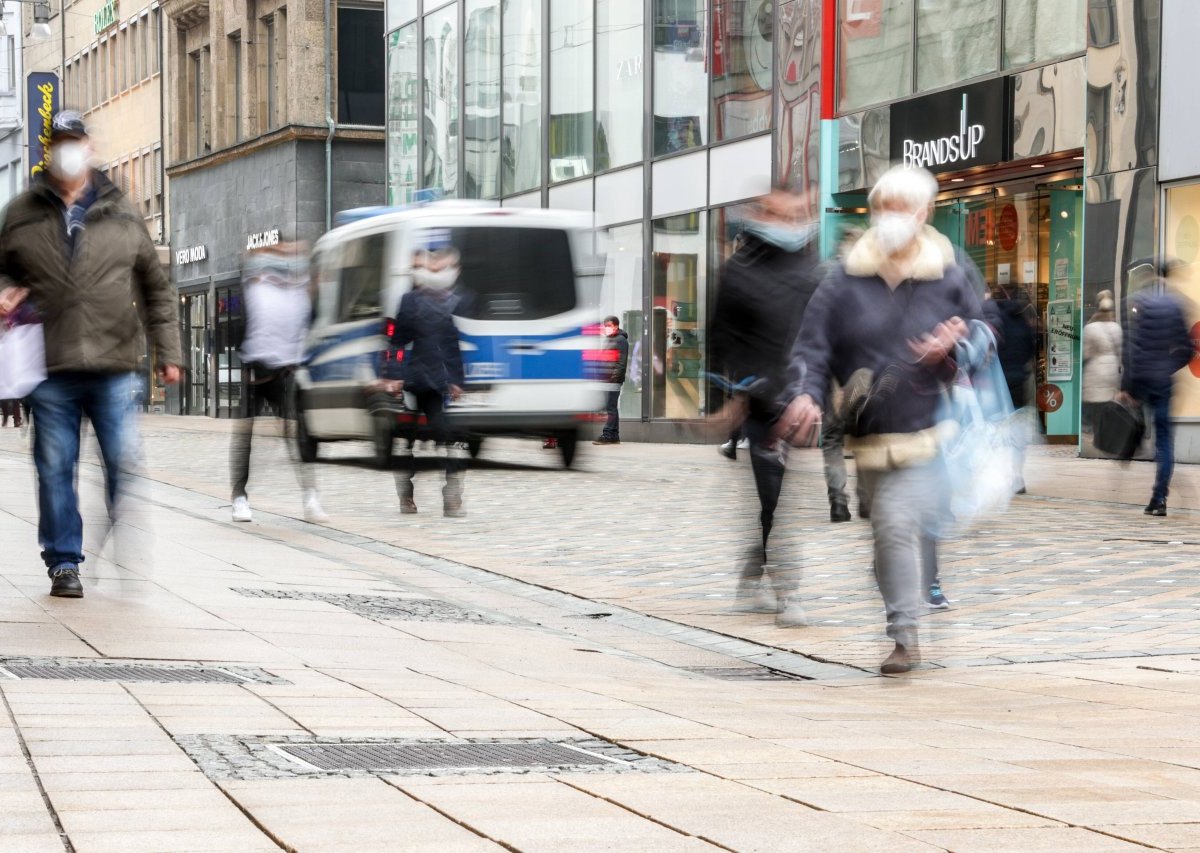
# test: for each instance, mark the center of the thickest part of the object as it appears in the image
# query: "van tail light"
(601, 355)
(593, 329)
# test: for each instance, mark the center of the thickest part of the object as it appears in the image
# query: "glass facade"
(572, 63)
(680, 75)
(440, 125)
(889, 49)
(620, 83)
(742, 66)
(402, 115)
(521, 150)
(481, 99)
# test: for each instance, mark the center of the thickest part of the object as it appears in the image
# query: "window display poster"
(1060, 340)
(1003, 274)
(1183, 210)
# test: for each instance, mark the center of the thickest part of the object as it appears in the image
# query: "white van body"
(528, 314)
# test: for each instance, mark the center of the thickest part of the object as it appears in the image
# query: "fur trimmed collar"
(931, 263)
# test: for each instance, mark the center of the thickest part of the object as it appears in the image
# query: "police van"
(527, 313)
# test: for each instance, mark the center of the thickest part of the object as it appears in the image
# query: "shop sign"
(262, 239)
(106, 17)
(193, 255)
(42, 99)
(952, 130)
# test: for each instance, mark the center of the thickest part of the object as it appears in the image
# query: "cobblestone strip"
(233, 757)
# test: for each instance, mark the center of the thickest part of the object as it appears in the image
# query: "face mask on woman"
(894, 231)
(440, 280)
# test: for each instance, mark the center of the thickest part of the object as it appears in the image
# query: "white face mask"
(441, 280)
(894, 231)
(69, 160)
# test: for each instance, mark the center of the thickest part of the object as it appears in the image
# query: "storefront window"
(680, 75)
(402, 115)
(623, 291)
(956, 40)
(196, 337)
(1182, 232)
(875, 44)
(741, 67)
(481, 99)
(1039, 31)
(679, 317)
(571, 76)
(231, 326)
(400, 12)
(441, 100)
(521, 149)
(620, 79)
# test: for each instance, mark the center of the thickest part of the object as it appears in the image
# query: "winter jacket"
(1015, 337)
(1101, 361)
(94, 299)
(434, 362)
(617, 368)
(856, 322)
(1159, 343)
(760, 305)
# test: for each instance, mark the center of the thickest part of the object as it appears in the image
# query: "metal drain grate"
(378, 757)
(81, 671)
(745, 673)
(378, 607)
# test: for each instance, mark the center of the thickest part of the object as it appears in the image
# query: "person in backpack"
(1159, 345)
(765, 288)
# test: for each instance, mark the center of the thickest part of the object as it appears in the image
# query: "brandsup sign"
(953, 130)
(947, 150)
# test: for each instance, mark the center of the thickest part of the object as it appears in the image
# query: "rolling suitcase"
(1118, 429)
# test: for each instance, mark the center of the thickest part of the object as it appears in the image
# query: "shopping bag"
(978, 433)
(22, 360)
(1118, 429)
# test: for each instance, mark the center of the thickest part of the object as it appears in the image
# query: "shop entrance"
(1026, 238)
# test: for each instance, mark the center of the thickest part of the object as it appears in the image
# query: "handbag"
(1118, 429)
(22, 360)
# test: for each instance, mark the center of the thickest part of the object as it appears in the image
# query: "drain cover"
(378, 607)
(101, 671)
(440, 756)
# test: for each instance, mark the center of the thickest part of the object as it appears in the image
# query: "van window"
(361, 278)
(514, 273)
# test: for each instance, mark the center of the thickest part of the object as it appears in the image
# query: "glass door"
(196, 338)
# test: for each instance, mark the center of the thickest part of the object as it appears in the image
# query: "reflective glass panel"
(678, 317)
(521, 148)
(680, 74)
(956, 40)
(481, 106)
(875, 45)
(441, 100)
(400, 12)
(623, 296)
(402, 114)
(571, 81)
(741, 67)
(620, 82)
(1036, 31)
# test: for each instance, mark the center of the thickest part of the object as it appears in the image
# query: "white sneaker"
(313, 511)
(791, 615)
(241, 509)
(743, 444)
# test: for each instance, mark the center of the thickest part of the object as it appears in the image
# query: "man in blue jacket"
(1158, 345)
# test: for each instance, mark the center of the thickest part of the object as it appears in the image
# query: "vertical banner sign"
(41, 94)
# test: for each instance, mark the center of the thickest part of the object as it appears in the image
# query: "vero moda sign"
(953, 130)
(41, 92)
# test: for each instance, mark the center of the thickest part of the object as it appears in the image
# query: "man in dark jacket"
(616, 350)
(765, 287)
(74, 246)
(1158, 345)
(432, 368)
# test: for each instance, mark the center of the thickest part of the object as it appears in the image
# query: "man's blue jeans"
(1159, 402)
(59, 405)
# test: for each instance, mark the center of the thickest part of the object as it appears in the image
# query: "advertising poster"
(1182, 233)
(41, 92)
(1060, 340)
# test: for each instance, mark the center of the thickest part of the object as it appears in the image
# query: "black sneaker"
(1156, 507)
(839, 512)
(936, 600)
(64, 581)
(603, 440)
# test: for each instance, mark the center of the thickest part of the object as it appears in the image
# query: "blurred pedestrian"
(1011, 318)
(278, 310)
(76, 248)
(737, 441)
(765, 288)
(1159, 345)
(885, 326)
(432, 369)
(11, 409)
(616, 363)
(1102, 339)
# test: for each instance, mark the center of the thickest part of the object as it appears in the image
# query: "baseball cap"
(67, 123)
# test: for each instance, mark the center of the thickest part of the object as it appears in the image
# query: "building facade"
(276, 124)
(12, 108)
(664, 117)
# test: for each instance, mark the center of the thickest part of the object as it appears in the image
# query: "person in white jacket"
(1101, 357)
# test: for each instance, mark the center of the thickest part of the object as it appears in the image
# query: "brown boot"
(901, 660)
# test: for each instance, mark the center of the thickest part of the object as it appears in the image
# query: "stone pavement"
(591, 607)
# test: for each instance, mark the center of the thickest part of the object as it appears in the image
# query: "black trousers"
(432, 404)
(612, 425)
(768, 461)
(269, 388)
